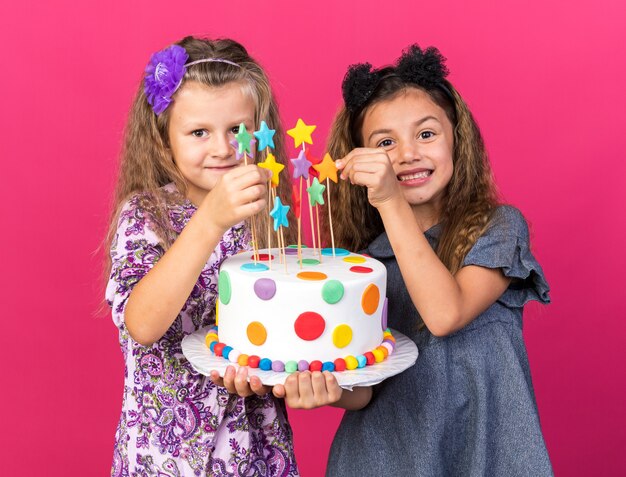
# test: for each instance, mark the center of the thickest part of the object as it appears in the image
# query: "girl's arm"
(445, 302)
(157, 299)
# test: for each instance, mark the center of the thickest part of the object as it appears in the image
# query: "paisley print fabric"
(175, 422)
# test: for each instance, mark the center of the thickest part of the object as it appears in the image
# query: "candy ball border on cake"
(349, 362)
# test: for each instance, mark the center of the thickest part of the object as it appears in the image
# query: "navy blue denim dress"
(467, 407)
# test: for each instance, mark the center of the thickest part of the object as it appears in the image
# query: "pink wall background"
(545, 80)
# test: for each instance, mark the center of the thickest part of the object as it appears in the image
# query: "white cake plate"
(403, 357)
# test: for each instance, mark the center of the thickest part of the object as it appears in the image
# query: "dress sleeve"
(505, 245)
(134, 251)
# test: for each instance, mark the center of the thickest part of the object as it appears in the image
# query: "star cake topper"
(301, 166)
(301, 133)
(265, 136)
(326, 169)
(244, 139)
(271, 165)
(279, 214)
(315, 193)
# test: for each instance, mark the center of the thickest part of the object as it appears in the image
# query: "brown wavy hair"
(471, 194)
(146, 163)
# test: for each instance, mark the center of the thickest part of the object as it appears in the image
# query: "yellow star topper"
(270, 164)
(301, 133)
(327, 169)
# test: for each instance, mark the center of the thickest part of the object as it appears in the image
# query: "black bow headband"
(424, 68)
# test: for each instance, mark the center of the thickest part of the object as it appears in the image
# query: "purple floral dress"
(175, 422)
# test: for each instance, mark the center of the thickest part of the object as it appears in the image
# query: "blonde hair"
(470, 197)
(146, 163)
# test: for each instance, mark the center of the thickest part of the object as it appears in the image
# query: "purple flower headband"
(164, 75)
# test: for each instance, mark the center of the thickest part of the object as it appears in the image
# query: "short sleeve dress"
(175, 422)
(467, 407)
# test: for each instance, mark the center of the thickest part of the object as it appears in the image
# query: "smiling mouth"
(221, 167)
(417, 175)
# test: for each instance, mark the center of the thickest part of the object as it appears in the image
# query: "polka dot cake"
(328, 313)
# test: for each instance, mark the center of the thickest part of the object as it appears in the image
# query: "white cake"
(321, 315)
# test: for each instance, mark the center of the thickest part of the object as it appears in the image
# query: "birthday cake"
(291, 312)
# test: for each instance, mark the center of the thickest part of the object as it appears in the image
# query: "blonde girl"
(183, 204)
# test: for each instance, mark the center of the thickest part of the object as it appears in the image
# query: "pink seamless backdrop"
(545, 80)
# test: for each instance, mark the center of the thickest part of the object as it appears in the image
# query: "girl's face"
(203, 121)
(418, 138)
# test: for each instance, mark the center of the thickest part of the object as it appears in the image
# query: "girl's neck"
(426, 216)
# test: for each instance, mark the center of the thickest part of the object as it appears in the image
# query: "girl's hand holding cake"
(308, 390)
(236, 382)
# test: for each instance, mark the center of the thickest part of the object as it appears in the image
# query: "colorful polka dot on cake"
(223, 287)
(312, 276)
(254, 267)
(257, 334)
(342, 336)
(354, 259)
(265, 288)
(309, 326)
(360, 269)
(332, 291)
(309, 261)
(339, 252)
(383, 318)
(370, 299)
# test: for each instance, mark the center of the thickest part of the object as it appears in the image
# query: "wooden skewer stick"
(282, 238)
(269, 227)
(330, 217)
(255, 251)
(319, 239)
(300, 227)
(308, 184)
